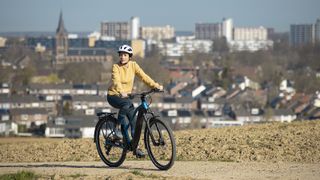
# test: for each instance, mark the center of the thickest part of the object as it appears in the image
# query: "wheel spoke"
(110, 149)
(162, 150)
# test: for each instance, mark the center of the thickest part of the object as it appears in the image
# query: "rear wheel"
(110, 148)
(162, 147)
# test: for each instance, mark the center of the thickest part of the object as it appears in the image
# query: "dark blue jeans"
(126, 109)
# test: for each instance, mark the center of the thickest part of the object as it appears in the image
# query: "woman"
(123, 74)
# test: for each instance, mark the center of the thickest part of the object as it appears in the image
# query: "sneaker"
(139, 153)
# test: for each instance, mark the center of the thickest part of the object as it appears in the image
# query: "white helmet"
(125, 48)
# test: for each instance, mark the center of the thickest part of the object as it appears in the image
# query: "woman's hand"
(124, 95)
(160, 87)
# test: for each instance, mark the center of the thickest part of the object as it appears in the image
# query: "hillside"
(274, 142)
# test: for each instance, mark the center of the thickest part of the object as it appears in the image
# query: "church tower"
(61, 48)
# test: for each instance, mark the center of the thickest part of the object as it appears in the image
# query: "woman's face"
(124, 58)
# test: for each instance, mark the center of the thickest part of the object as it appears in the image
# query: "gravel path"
(181, 170)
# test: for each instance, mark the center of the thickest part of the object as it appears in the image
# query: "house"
(102, 89)
(178, 103)
(62, 89)
(16, 101)
(283, 115)
(4, 89)
(7, 127)
(177, 119)
(254, 115)
(50, 89)
(85, 89)
(25, 102)
(218, 119)
(244, 82)
(248, 99)
(89, 102)
(200, 118)
(314, 114)
(183, 74)
(22, 62)
(286, 86)
(209, 104)
(216, 92)
(233, 93)
(71, 126)
(29, 117)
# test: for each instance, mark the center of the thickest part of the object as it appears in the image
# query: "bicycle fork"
(155, 143)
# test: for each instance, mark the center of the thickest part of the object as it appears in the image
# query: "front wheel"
(160, 144)
(110, 149)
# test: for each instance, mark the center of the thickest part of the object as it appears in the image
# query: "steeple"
(61, 29)
(61, 41)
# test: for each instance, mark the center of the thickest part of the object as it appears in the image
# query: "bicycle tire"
(102, 150)
(154, 123)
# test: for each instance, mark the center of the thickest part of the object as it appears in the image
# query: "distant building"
(183, 45)
(215, 30)
(61, 48)
(119, 30)
(301, 34)
(238, 39)
(317, 31)
(157, 33)
(250, 34)
(28, 116)
(98, 46)
(135, 25)
(227, 29)
(250, 45)
(250, 39)
(208, 31)
(2, 42)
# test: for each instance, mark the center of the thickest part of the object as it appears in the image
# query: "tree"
(220, 45)
(88, 72)
(67, 109)
(153, 68)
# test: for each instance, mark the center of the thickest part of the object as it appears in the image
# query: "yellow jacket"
(123, 78)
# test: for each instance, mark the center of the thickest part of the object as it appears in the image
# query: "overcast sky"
(86, 15)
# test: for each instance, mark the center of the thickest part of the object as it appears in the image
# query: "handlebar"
(155, 90)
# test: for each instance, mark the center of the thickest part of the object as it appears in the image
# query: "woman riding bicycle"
(123, 74)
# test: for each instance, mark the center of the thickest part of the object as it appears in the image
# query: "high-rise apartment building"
(317, 31)
(135, 25)
(119, 30)
(208, 31)
(157, 33)
(301, 34)
(215, 30)
(227, 29)
(250, 34)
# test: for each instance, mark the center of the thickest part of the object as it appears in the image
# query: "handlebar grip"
(157, 90)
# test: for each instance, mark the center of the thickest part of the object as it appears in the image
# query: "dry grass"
(276, 142)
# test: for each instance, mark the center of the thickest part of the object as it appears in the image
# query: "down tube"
(138, 128)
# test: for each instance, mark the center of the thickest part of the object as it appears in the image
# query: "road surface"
(180, 170)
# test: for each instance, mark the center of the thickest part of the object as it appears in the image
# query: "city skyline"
(86, 16)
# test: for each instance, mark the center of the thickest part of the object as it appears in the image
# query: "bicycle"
(158, 137)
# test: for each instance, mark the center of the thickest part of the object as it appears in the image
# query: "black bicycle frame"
(141, 110)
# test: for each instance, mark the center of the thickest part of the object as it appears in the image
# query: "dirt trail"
(181, 170)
